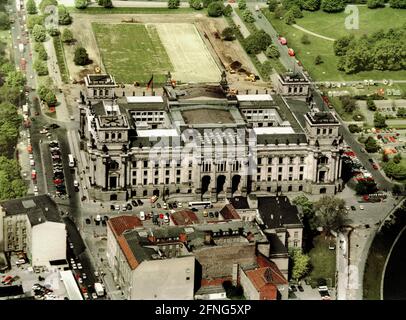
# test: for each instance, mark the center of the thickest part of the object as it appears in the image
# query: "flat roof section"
(254, 97)
(144, 99)
(206, 116)
(71, 286)
(273, 130)
(157, 133)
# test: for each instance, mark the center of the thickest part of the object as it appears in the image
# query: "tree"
(329, 213)
(371, 104)
(34, 20)
(305, 205)
(332, 6)
(39, 33)
(81, 57)
(399, 4)
(15, 79)
(267, 67)
(40, 67)
(289, 17)
(365, 187)
(45, 3)
(228, 10)
(207, 2)
(247, 16)
(10, 94)
(31, 7)
(50, 99)
(311, 5)
(379, 120)
(81, 4)
(318, 60)
(348, 104)
(371, 146)
(279, 12)
(397, 157)
(401, 112)
(272, 52)
(53, 32)
(67, 35)
(173, 4)
(353, 128)
(4, 21)
(108, 4)
(396, 189)
(242, 4)
(42, 54)
(305, 39)
(64, 16)
(300, 264)
(215, 9)
(196, 4)
(288, 4)
(342, 44)
(373, 4)
(257, 41)
(228, 34)
(272, 4)
(297, 13)
(395, 171)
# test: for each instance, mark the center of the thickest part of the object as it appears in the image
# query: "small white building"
(33, 225)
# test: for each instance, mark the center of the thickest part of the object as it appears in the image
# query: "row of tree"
(379, 51)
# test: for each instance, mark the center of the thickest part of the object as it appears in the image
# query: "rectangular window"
(167, 180)
(269, 160)
(134, 182)
(178, 172)
(296, 235)
(178, 180)
(134, 173)
(156, 180)
(280, 177)
(145, 164)
(145, 172)
(301, 169)
(269, 170)
(300, 176)
(145, 182)
(291, 160)
(290, 178)
(167, 172)
(258, 170)
(258, 177)
(280, 169)
(330, 131)
(259, 160)
(280, 160)
(302, 159)
(290, 169)
(318, 131)
(324, 131)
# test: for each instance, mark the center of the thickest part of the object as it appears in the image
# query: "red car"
(291, 52)
(283, 41)
(58, 181)
(375, 166)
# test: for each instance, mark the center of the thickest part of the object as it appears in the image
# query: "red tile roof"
(229, 212)
(119, 224)
(262, 280)
(184, 218)
(132, 261)
(277, 275)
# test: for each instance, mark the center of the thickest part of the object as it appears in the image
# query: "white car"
(80, 280)
(86, 295)
(124, 207)
(74, 267)
(94, 295)
(35, 188)
(43, 131)
(31, 156)
(32, 162)
(361, 207)
(84, 276)
(179, 204)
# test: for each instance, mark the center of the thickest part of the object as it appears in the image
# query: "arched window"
(113, 136)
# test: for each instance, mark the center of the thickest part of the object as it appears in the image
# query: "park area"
(132, 52)
(333, 26)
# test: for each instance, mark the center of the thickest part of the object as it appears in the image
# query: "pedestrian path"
(312, 33)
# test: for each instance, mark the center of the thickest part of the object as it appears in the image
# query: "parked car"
(300, 288)
(293, 288)
(134, 203)
(140, 202)
(124, 207)
(129, 206)
(158, 205)
(117, 207)
(353, 208)
(88, 221)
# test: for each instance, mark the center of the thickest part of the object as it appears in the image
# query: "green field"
(60, 57)
(323, 261)
(132, 52)
(332, 25)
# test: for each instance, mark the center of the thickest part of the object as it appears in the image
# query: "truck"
(98, 287)
(21, 47)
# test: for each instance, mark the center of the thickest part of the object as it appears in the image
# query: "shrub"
(81, 57)
(331, 6)
(228, 34)
(215, 9)
(272, 52)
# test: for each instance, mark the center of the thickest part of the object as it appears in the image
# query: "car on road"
(353, 208)
(86, 296)
(84, 276)
(129, 206)
(31, 156)
(54, 126)
(300, 288)
(88, 221)
(117, 207)
(361, 207)
(106, 218)
(140, 202)
(94, 295)
(375, 166)
(43, 131)
(35, 188)
(124, 207)
(32, 163)
(293, 288)
(174, 205)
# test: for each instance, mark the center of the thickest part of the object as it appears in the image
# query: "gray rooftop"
(39, 209)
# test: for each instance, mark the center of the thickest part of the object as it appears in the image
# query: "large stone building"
(202, 141)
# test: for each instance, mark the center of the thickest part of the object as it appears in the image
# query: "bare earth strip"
(189, 55)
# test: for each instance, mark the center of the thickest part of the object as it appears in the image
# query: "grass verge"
(60, 57)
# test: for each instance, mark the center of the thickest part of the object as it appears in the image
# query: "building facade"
(201, 141)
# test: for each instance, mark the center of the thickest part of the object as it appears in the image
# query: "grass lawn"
(132, 52)
(332, 25)
(100, 10)
(322, 260)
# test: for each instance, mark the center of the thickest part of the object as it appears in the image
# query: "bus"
(200, 204)
(71, 160)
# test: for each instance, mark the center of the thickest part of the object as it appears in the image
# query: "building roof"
(38, 209)
(239, 203)
(143, 99)
(229, 213)
(121, 223)
(254, 97)
(277, 212)
(262, 280)
(264, 262)
(184, 217)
